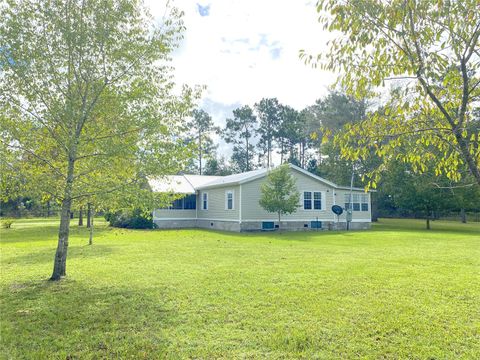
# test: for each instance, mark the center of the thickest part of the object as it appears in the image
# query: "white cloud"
(245, 50)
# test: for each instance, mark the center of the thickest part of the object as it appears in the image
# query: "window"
(229, 200)
(205, 201)
(307, 200)
(190, 202)
(317, 200)
(177, 205)
(364, 200)
(355, 202)
(312, 201)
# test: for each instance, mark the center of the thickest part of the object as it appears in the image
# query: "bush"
(7, 223)
(130, 219)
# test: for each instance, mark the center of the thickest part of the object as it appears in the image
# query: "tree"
(201, 126)
(279, 192)
(414, 193)
(333, 113)
(239, 131)
(217, 166)
(85, 102)
(290, 134)
(430, 50)
(269, 113)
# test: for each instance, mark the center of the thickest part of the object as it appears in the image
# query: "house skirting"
(291, 225)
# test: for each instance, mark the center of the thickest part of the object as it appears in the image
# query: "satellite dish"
(337, 209)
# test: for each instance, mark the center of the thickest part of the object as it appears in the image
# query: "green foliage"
(240, 131)
(130, 219)
(396, 291)
(217, 166)
(269, 112)
(201, 128)
(430, 50)
(7, 223)
(87, 106)
(91, 89)
(279, 192)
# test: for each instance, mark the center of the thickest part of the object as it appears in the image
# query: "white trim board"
(173, 219)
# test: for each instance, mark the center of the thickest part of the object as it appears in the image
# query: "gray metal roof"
(188, 184)
(180, 184)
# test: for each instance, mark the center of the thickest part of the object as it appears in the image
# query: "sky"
(245, 50)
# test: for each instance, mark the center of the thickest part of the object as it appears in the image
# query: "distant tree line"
(272, 132)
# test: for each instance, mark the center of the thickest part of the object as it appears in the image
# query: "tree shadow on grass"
(46, 255)
(48, 233)
(70, 320)
(437, 227)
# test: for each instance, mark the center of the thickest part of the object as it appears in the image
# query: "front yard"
(397, 291)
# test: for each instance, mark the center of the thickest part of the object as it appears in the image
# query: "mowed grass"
(397, 291)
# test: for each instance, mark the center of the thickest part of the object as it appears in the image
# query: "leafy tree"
(279, 192)
(430, 50)
(338, 109)
(269, 113)
(291, 136)
(333, 113)
(217, 166)
(201, 126)
(239, 131)
(414, 193)
(85, 102)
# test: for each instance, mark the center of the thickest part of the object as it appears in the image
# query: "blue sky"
(243, 50)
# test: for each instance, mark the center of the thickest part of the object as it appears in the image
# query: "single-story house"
(231, 203)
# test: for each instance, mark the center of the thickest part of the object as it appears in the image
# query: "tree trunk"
(428, 222)
(468, 157)
(48, 208)
(90, 240)
(60, 261)
(268, 151)
(80, 217)
(279, 220)
(200, 153)
(248, 157)
(281, 154)
(89, 215)
(463, 216)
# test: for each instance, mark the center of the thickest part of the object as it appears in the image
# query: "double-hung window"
(204, 201)
(312, 200)
(355, 202)
(317, 200)
(307, 200)
(364, 199)
(229, 204)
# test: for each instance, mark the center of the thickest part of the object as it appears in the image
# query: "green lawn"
(397, 291)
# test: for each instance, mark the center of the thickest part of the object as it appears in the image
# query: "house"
(231, 203)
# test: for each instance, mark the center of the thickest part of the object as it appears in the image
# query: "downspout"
(350, 208)
(240, 205)
(333, 202)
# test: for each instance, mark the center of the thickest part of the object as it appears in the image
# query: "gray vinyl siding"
(216, 204)
(252, 211)
(159, 214)
(356, 215)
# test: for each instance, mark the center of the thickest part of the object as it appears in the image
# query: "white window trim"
(323, 199)
(226, 199)
(204, 193)
(360, 202)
